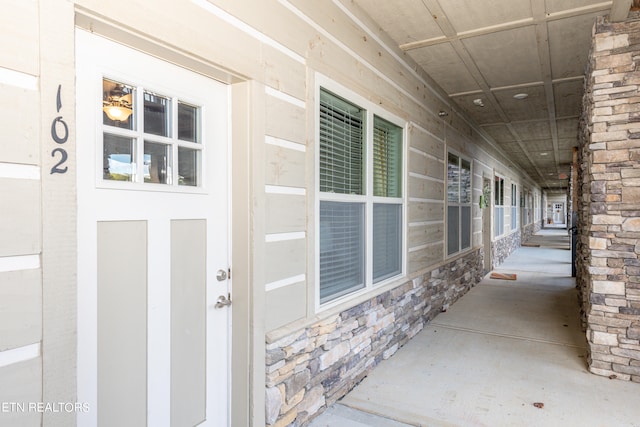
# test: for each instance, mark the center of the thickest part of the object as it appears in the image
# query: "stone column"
(609, 202)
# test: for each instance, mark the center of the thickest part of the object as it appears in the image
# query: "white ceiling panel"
(505, 58)
(494, 49)
(567, 143)
(538, 146)
(565, 156)
(500, 133)
(406, 21)
(467, 15)
(512, 147)
(482, 115)
(555, 6)
(568, 98)
(443, 64)
(569, 44)
(533, 130)
(534, 107)
(567, 128)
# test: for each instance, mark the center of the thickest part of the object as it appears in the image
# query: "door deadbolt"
(221, 275)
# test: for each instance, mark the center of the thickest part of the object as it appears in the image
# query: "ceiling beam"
(544, 55)
(535, 20)
(620, 10)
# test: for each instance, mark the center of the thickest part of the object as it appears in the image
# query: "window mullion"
(173, 165)
(368, 155)
(139, 149)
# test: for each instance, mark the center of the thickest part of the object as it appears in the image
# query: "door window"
(148, 137)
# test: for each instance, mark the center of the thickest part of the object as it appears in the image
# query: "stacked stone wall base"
(315, 366)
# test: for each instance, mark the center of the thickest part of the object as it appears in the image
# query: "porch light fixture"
(117, 105)
(478, 102)
(521, 96)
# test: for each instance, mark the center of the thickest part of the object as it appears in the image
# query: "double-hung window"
(514, 207)
(458, 204)
(360, 196)
(498, 204)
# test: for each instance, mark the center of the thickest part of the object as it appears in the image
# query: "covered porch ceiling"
(516, 67)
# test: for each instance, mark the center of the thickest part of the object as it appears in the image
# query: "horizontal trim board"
(232, 20)
(20, 354)
(418, 199)
(18, 171)
(285, 282)
(425, 246)
(281, 237)
(422, 153)
(16, 263)
(285, 97)
(425, 177)
(18, 79)
(271, 140)
(423, 223)
(428, 132)
(279, 189)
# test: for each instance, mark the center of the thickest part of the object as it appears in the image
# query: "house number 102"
(60, 134)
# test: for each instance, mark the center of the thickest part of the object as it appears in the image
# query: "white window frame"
(368, 199)
(459, 205)
(514, 206)
(139, 136)
(498, 210)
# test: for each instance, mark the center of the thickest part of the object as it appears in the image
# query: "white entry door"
(558, 213)
(153, 285)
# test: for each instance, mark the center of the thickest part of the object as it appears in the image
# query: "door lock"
(221, 275)
(223, 301)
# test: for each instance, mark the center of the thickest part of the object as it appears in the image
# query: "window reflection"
(188, 122)
(188, 165)
(156, 163)
(118, 158)
(118, 104)
(156, 114)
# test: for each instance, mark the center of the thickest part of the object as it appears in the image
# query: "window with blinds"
(351, 249)
(498, 205)
(514, 207)
(341, 146)
(458, 204)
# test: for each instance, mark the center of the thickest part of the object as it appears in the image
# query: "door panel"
(152, 232)
(122, 339)
(188, 322)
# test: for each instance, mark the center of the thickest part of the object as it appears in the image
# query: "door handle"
(223, 301)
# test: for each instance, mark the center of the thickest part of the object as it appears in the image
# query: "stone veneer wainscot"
(503, 247)
(311, 368)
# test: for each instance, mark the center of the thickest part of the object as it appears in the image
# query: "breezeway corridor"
(508, 353)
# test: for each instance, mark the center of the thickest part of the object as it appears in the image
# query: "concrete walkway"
(509, 353)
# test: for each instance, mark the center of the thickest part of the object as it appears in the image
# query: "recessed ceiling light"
(544, 154)
(521, 95)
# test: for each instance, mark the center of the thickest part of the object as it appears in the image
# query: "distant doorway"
(558, 213)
